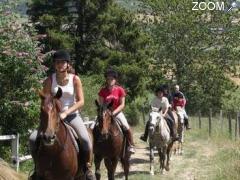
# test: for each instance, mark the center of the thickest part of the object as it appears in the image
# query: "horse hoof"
(167, 168)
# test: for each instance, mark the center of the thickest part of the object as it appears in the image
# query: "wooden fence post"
(210, 122)
(221, 116)
(199, 119)
(229, 125)
(236, 124)
(239, 124)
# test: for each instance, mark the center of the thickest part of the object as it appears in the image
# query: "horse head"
(104, 118)
(154, 119)
(49, 116)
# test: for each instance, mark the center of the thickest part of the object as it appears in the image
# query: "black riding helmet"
(61, 55)
(159, 89)
(165, 87)
(111, 72)
(178, 95)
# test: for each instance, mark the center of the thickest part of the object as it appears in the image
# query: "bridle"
(58, 122)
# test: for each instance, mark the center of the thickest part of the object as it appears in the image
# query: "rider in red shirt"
(178, 101)
(114, 92)
(115, 95)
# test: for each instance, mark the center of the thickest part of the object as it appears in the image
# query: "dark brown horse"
(56, 157)
(109, 143)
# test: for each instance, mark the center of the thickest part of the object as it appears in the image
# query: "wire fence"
(224, 122)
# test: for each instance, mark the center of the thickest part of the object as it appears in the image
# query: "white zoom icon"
(233, 5)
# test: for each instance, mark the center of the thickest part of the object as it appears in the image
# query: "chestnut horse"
(109, 143)
(178, 145)
(56, 157)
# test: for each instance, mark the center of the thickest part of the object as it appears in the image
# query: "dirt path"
(193, 164)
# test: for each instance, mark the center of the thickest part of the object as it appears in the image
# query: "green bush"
(20, 74)
(132, 114)
(91, 87)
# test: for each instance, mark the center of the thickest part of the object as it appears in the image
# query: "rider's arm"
(120, 107)
(79, 96)
(164, 112)
(100, 100)
(165, 106)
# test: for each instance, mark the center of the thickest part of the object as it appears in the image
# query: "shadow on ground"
(121, 174)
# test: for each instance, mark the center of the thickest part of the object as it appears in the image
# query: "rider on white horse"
(161, 102)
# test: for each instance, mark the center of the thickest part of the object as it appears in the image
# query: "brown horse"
(109, 143)
(178, 145)
(56, 157)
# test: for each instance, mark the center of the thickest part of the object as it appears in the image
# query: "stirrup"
(89, 175)
(131, 149)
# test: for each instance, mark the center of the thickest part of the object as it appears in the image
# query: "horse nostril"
(44, 136)
(53, 136)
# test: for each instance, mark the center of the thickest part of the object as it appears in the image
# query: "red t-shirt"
(115, 94)
(178, 102)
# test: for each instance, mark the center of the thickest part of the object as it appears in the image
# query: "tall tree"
(198, 48)
(100, 33)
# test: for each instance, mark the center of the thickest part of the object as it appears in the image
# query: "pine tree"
(100, 34)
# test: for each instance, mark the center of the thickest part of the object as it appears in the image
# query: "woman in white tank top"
(72, 99)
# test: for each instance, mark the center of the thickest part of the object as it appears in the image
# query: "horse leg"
(97, 162)
(169, 148)
(181, 139)
(151, 156)
(111, 165)
(162, 158)
(125, 163)
(164, 154)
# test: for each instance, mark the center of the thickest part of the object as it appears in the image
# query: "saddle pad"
(73, 135)
(118, 122)
(119, 125)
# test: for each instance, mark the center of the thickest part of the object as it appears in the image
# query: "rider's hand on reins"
(63, 115)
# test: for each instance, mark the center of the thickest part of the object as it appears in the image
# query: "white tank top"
(68, 96)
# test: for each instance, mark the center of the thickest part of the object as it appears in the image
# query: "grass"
(206, 158)
(224, 164)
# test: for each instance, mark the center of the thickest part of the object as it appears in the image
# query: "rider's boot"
(144, 136)
(129, 136)
(89, 173)
(187, 123)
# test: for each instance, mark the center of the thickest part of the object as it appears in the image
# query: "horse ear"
(97, 104)
(110, 105)
(58, 95)
(41, 94)
(59, 106)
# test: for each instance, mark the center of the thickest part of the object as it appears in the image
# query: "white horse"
(159, 137)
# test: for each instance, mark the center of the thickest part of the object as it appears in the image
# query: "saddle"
(73, 135)
(118, 123)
